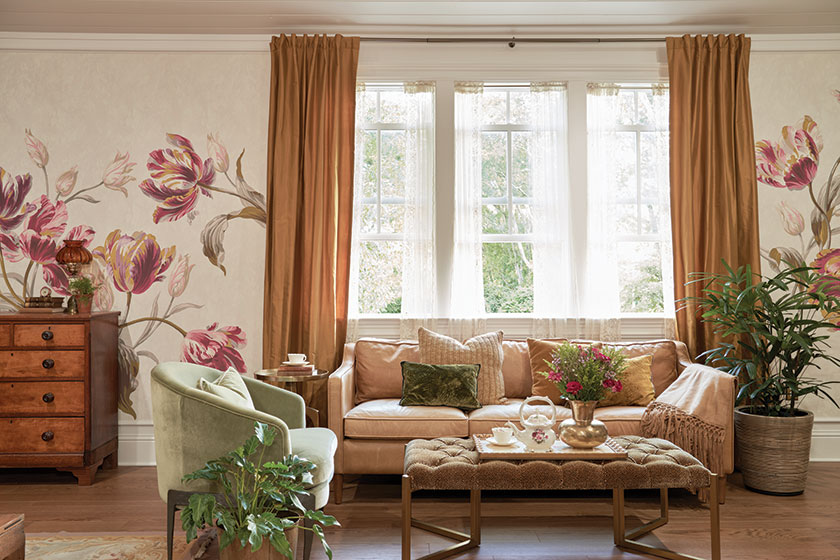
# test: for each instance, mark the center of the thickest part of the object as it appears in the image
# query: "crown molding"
(144, 42)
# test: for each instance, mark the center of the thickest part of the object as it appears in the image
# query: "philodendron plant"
(260, 501)
(773, 329)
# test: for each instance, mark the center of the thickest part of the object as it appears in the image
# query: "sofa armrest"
(341, 389)
(288, 406)
(696, 413)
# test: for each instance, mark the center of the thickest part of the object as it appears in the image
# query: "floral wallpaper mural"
(145, 277)
(792, 163)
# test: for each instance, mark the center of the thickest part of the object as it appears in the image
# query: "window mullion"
(378, 180)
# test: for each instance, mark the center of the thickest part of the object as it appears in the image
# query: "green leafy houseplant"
(82, 286)
(774, 329)
(260, 501)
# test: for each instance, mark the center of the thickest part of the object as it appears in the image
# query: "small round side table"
(279, 378)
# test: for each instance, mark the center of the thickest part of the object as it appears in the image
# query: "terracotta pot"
(83, 303)
(773, 452)
(266, 552)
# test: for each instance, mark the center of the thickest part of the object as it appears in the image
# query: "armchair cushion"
(318, 446)
(229, 386)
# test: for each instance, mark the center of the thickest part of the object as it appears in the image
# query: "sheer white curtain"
(601, 293)
(466, 307)
(661, 163)
(418, 271)
(358, 167)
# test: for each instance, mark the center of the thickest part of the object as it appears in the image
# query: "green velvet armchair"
(192, 426)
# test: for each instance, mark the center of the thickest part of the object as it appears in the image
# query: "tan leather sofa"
(372, 428)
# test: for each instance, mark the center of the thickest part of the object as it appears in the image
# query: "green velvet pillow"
(440, 385)
(230, 387)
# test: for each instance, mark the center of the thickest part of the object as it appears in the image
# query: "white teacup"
(502, 434)
(297, 358)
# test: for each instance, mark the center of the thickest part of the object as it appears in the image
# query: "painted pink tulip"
(792, 162)
(215, 347)
(116, 175)
(66, 182)
(13, 193)
(103, 298)
(836, 94)
(37, 150)
(44, 227)
(180, 276)
(134, 262)
(217, 151)
(792, 220)
(178, 176)
(827, 264)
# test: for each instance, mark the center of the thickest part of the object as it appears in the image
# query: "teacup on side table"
(279, 378)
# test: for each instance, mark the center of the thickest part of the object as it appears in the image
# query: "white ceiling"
(423, 18)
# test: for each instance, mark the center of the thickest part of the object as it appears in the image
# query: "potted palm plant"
(259, 510)
(775, 333)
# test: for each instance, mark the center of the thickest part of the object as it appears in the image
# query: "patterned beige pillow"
(485, 349)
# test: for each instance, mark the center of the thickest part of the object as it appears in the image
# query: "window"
(631, 125)
(503, 226)
(393, 208)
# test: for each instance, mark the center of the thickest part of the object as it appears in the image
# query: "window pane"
(367, 103)
(627, 108)
(508, 277)
(392, 176)
(640, 277)
(627, 219)
(520, 107)
(654, 159)
(494, 218)
(393, 217)
(493, 164)
(393, 107)
(369, 164)
(494, 107)
(522, 218)
(647, 112)
(519, 170)
(625, 166)
(368, 218)
(650, 218)
(380, 276)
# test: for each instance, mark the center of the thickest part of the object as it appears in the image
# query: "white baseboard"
(137, 445)
(825, 442)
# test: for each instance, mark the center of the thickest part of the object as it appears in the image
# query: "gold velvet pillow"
(484, 349)
(636, 386)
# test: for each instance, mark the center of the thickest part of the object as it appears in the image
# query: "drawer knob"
(48, 363)
(48, 397)
(47, 335)
(47, 436)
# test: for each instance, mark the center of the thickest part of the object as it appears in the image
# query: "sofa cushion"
(516, 369)
(483, 420)
(440, 385)
(663, 367)
(621, 420)
(637, 389)
(484, 349)
(540, 350)
(386, 419)
(377, 368)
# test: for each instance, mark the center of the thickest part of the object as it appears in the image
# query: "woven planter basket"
(773, 452)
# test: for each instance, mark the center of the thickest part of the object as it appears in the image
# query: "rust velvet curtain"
(310, 197)
(714, 194)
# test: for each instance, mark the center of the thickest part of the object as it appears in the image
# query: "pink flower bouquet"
(585, 373)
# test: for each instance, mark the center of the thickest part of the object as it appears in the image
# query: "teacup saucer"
(295, 363)
(492, 440)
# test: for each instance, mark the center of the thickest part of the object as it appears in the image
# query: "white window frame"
(444, 64)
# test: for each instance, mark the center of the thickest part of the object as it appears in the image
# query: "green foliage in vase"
(774, 329)
(82, 286)
(259, 500)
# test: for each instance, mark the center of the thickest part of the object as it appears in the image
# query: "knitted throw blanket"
(693, 412)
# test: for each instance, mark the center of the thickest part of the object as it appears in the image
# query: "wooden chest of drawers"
(58, 392)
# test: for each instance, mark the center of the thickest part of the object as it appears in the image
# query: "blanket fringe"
(693, 434)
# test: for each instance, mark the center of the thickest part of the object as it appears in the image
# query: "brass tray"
(610, 450)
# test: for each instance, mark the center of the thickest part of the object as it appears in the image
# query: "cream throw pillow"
(230, 387)
(485, 350)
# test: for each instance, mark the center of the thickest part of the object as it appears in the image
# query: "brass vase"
(582, 430)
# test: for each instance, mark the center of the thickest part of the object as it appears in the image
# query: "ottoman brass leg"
(466, 541)
(626, 540)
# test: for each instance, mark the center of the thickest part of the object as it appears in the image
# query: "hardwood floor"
(557, 525)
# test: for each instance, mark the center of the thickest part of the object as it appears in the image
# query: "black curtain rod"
(513, 40)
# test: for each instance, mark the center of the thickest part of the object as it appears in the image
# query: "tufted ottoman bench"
(453, 464)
